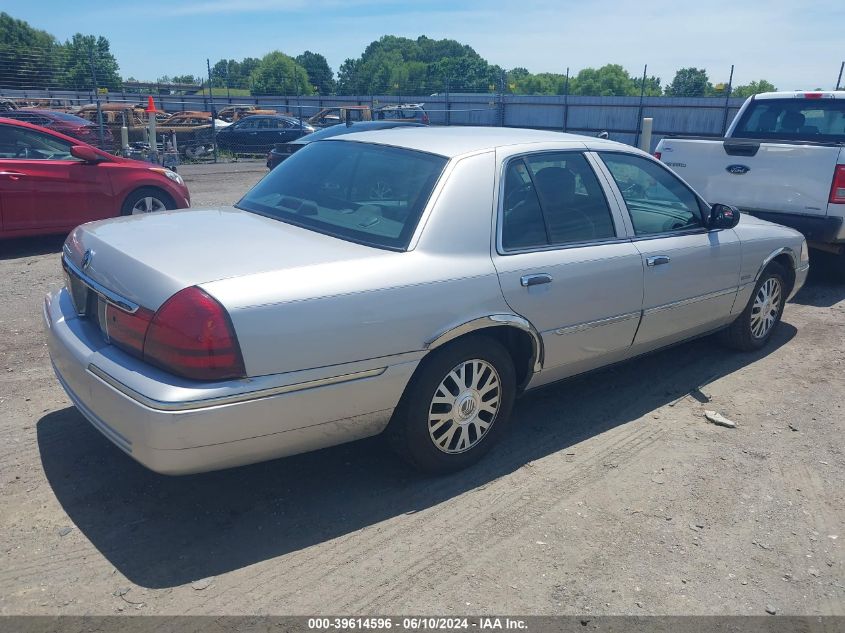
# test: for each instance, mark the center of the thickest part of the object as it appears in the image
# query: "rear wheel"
(146, 200)
(456, 407)
(753, 328)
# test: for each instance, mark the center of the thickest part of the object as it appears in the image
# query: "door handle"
(535, 280)
(657, 260)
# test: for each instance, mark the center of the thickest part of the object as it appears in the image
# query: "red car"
(65, 123)
(50, 183)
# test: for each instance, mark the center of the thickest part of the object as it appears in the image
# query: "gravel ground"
(610, 494)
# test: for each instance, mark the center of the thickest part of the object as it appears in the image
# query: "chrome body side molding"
(190, 405)
(494, 320)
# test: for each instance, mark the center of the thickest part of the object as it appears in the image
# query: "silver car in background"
(409, 280)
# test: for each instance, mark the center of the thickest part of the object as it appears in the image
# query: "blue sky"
(793, 44)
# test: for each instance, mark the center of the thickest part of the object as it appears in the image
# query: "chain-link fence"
(229, 115)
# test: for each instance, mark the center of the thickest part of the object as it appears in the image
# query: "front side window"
(21, 143)
(366, 193)
(553, 199)
(657, 201)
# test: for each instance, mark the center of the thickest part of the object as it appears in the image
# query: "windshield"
(821, 120)
(361, 192)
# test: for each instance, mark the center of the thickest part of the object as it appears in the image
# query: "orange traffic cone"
(151, 106)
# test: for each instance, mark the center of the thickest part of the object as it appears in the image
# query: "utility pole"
(213, 110)
(97, 93)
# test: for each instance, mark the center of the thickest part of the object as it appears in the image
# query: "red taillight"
(425, 118)
(813, 95)
(128, 330)
(657, 155)
(191, 336)
(837, 188)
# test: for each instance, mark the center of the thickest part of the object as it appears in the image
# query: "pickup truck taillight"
(837, 189)
(657, 155)
(190, 335)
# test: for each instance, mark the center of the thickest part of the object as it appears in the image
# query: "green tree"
(347, 77)
(278, 74)
(753, 88)
(319, 72)
(690, 82)
(29, 58)
(232, 73)
(186, 79)
(79, 52)
(400, 65)
(611, 80)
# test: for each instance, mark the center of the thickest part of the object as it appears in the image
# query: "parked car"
(408, 280)
(342, 114)
(782, 159)
(233, 113)
(281, 151)
(64, 123)
(402, 112)
(116, 115)
(193, 132)
(51, 182)
(256, 134)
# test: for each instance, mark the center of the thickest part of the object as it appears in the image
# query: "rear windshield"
(361, 192)
(821, 120)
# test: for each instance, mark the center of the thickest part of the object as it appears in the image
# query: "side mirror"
(722, 216)
(83, 152)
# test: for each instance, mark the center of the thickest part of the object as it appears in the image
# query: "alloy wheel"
(148, 204)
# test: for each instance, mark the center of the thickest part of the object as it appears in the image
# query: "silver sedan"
(412, 281)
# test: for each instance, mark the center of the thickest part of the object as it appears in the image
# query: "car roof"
(801, 94)
(49, 132)
(353, 128)
(455, 141)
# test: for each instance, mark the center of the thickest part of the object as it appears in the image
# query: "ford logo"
(737, 169)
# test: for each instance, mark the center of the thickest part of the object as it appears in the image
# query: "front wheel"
(753, 328)
(456, 407)
(146, 200)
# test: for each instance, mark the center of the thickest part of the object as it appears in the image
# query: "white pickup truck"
(782, 159)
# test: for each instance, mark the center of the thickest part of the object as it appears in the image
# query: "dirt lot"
(611, 494)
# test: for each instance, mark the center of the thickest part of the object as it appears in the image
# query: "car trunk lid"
(146, 259)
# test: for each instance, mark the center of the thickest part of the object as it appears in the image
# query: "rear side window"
(553, 199)
(366, 193)
(794, 119)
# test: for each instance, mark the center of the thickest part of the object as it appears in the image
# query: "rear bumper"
(206, 431)
(826, 229)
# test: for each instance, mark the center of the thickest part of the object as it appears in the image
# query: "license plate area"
(87, 303)
(80, 294)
